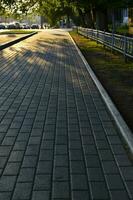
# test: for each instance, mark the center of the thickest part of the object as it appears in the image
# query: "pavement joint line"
(120, 122)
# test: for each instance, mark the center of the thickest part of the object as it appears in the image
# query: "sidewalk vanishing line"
(120, 122)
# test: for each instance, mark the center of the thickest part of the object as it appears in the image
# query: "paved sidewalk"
(57, 139)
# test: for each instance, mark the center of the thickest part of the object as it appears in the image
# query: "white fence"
(119, 43)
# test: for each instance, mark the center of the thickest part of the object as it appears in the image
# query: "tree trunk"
(102, 20)
(82, 17)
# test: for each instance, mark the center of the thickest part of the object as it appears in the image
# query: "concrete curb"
(121, 124)
(8, 44)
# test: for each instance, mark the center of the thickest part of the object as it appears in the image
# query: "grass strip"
(115, 75)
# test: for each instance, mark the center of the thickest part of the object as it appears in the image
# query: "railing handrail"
(120, 43)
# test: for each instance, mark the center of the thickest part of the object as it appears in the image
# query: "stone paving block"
(99, 190)
(7, 183)
(5, 150)
(61, 150)
(36, 132)
(42, 182)
(115, 195)
(100, 135)
(75, 144)
(32, 150)
(77, 167)
(5, 195)
(118, 149)
(12, 132)
(61, 160)
(61, 190)
(44, 167)
(106, 155)
(127, 173)
(3, 161)
(114, 182)
(114, 140)
(92, 161)
(46, 155)
(95, 174)
(16, 156)
(40, 195)
(34, 140)
(88, 140)
(79, 182)
(12, 169)
(90, 150)
(76, 155)
(22, 191)
(23, 137)
(8, 141)
(110, 167)
(26, 175)
(102, 144)
(20, 146)
(123, 160)
(80, 195)
(47, 144)
(61, 140)
(29, 161)
(61, 174)
(48, 136)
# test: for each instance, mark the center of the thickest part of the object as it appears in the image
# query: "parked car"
(2, 26)
(11, 26)
(26, 26)
(35, 26)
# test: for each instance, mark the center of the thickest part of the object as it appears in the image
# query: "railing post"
(125, 48)
(97, 36)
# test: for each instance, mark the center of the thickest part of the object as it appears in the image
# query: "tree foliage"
(82, 11)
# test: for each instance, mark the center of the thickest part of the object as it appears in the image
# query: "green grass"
(16, 32)
(113, 72)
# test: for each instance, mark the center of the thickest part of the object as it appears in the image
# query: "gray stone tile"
(92, 161)
(127, 173)
(12, 169)
(90, 149)
(61, 190)
(7, 183)
(44, 167)
(99, 190)
(120, 194)
(40, 195)
(61, 161)
(80, 195)
(32, 150)
(114, 182)
(79, 182)
(29, 161)
(106, 155)
(95, 174)
(46, 155)
(76, 155)
(61, 174)
(61, 150)
(22, 191)
(16, 156)
(77, 167)
(42, 182)
(26, 175)
(110, 167)
(123, 160)
(5, 195)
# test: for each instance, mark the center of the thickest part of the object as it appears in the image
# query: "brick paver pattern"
(57, 138)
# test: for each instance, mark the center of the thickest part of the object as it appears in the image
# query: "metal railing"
(119, 43)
